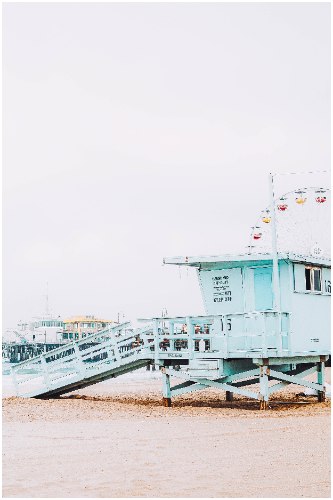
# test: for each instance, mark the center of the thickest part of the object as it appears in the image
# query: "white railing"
(263, 332)
(81, 359)
(221, 335)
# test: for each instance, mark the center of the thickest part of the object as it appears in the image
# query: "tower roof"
(228, 258)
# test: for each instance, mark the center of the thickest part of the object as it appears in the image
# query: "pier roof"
(87, 319)
(210, 259)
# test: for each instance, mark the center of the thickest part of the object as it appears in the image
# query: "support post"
(229, 396)
(276, 279)
(321, 380)
(264, 371)
(166, 389)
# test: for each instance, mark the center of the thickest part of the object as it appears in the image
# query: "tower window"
(313, 279)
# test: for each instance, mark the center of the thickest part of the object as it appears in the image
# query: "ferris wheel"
(302, 224)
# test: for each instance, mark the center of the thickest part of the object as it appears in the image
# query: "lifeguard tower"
(267, 322)
(246, 341)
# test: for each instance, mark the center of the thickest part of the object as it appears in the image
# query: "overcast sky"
(137, 131)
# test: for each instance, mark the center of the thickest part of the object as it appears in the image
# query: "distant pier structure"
(15, 353)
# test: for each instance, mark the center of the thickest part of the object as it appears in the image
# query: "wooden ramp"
(106, 354)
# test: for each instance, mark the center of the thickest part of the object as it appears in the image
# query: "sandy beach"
(115, 439)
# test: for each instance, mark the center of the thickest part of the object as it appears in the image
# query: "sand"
(115, 439)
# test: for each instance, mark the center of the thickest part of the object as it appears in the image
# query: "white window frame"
(312, 282)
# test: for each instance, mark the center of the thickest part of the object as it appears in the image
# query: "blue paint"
(263, 289)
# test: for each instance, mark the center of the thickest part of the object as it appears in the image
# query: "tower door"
(263, 288)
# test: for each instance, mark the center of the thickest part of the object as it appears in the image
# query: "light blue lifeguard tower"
(267, 322)
(244, 339)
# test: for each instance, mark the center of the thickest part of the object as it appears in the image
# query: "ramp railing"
(83, 359)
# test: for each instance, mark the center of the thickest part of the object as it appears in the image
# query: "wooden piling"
(229, 396)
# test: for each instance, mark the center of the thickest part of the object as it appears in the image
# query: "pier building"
(79, 327)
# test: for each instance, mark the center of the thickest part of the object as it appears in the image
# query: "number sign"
(222, 290)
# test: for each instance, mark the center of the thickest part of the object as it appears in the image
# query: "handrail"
(179, 319)
(106, 350)
(80, 368)
(71, 345)
(120, 341)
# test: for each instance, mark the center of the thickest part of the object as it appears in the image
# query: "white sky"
(137, 131)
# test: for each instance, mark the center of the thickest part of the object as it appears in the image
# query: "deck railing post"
(245, 327)
(190, 340)
(156, 340)
(79, 360)
(14, 378)
(172, 333)
(278, 322)
(288, 332)
(45, 371)
(263, 332)
(114, 346)
(224, 333)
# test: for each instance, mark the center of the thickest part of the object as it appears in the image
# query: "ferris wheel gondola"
(302, 223)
